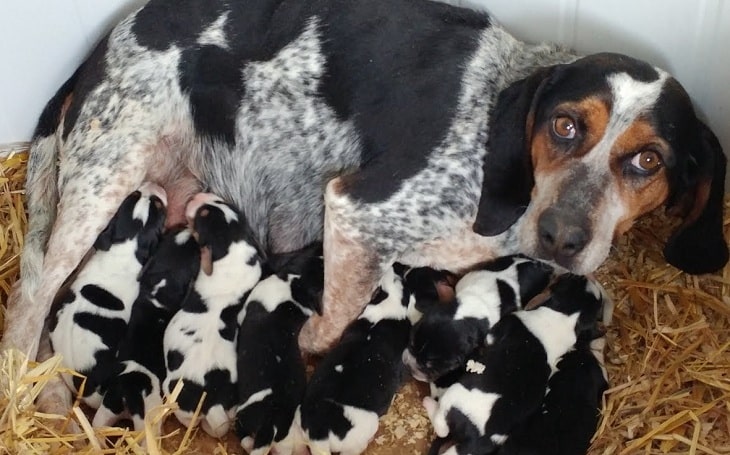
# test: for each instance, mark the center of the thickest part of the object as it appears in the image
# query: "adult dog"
(392, 129)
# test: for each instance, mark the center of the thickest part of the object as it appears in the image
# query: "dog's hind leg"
(99, 166)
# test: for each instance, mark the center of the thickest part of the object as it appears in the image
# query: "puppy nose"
(559, 235)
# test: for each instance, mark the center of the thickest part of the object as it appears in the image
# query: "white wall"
(42, 42)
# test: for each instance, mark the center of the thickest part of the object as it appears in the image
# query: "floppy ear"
(104, 241)
(698, 245)
(206, 260)
(507, 164)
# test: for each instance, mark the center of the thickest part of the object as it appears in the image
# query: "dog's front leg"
(351, 275)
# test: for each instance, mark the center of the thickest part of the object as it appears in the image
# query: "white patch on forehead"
(632, 97)
(629, 99)
(228, 212)
(215, 34)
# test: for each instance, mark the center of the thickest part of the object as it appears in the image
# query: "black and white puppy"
(569, 415)
(448, 332)
(200, 341)
(505, 381)
(140, 370)
(354, 384)
(271, 372)
(90, 315)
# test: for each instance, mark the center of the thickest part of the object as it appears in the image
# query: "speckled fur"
(133, 112)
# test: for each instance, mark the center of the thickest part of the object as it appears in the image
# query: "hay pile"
(668, 360)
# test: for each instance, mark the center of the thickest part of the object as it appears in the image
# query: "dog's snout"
(559, 236)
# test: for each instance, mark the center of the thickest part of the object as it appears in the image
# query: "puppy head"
(575, 294)
(308, 287)
(216, 226)
(177, 262)
(581, 150)
(437, 346)
(429, 286)
(141, 216)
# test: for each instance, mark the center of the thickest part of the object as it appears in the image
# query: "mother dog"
(393, 129)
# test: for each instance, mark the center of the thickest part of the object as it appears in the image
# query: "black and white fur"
(506, 380)
(165, 280)
(570, 413)
(271, 371)
(200, 340)
(90, 317)
(296, 110)
(354, 384)
(448, 332)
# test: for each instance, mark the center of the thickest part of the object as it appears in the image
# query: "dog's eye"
(564, 127)
(646, 161)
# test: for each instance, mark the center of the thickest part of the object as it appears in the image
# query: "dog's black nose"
(559, 235)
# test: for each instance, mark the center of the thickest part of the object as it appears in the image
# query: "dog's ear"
(507, 165)
(698, 245)
(106, 238)
(206, 260)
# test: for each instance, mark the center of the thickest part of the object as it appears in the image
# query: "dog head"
(437, 346)
(142, 217)
(172, 268)
(216, 226)
(581, 150)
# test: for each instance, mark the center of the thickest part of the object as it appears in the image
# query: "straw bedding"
(668, 360)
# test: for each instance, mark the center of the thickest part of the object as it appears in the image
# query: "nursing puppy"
(355, 382)
(200, 341)
(506, 380)
(89, 317)
(164, 281)
(569, 415)
(271, 372)
(448, 332)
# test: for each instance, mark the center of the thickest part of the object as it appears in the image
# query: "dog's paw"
(318, 335)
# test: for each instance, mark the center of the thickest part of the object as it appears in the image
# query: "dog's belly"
(288, 144)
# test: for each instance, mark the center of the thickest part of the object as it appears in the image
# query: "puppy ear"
(698, 245)
(105, 239)
(206, 260)
(507, 165)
